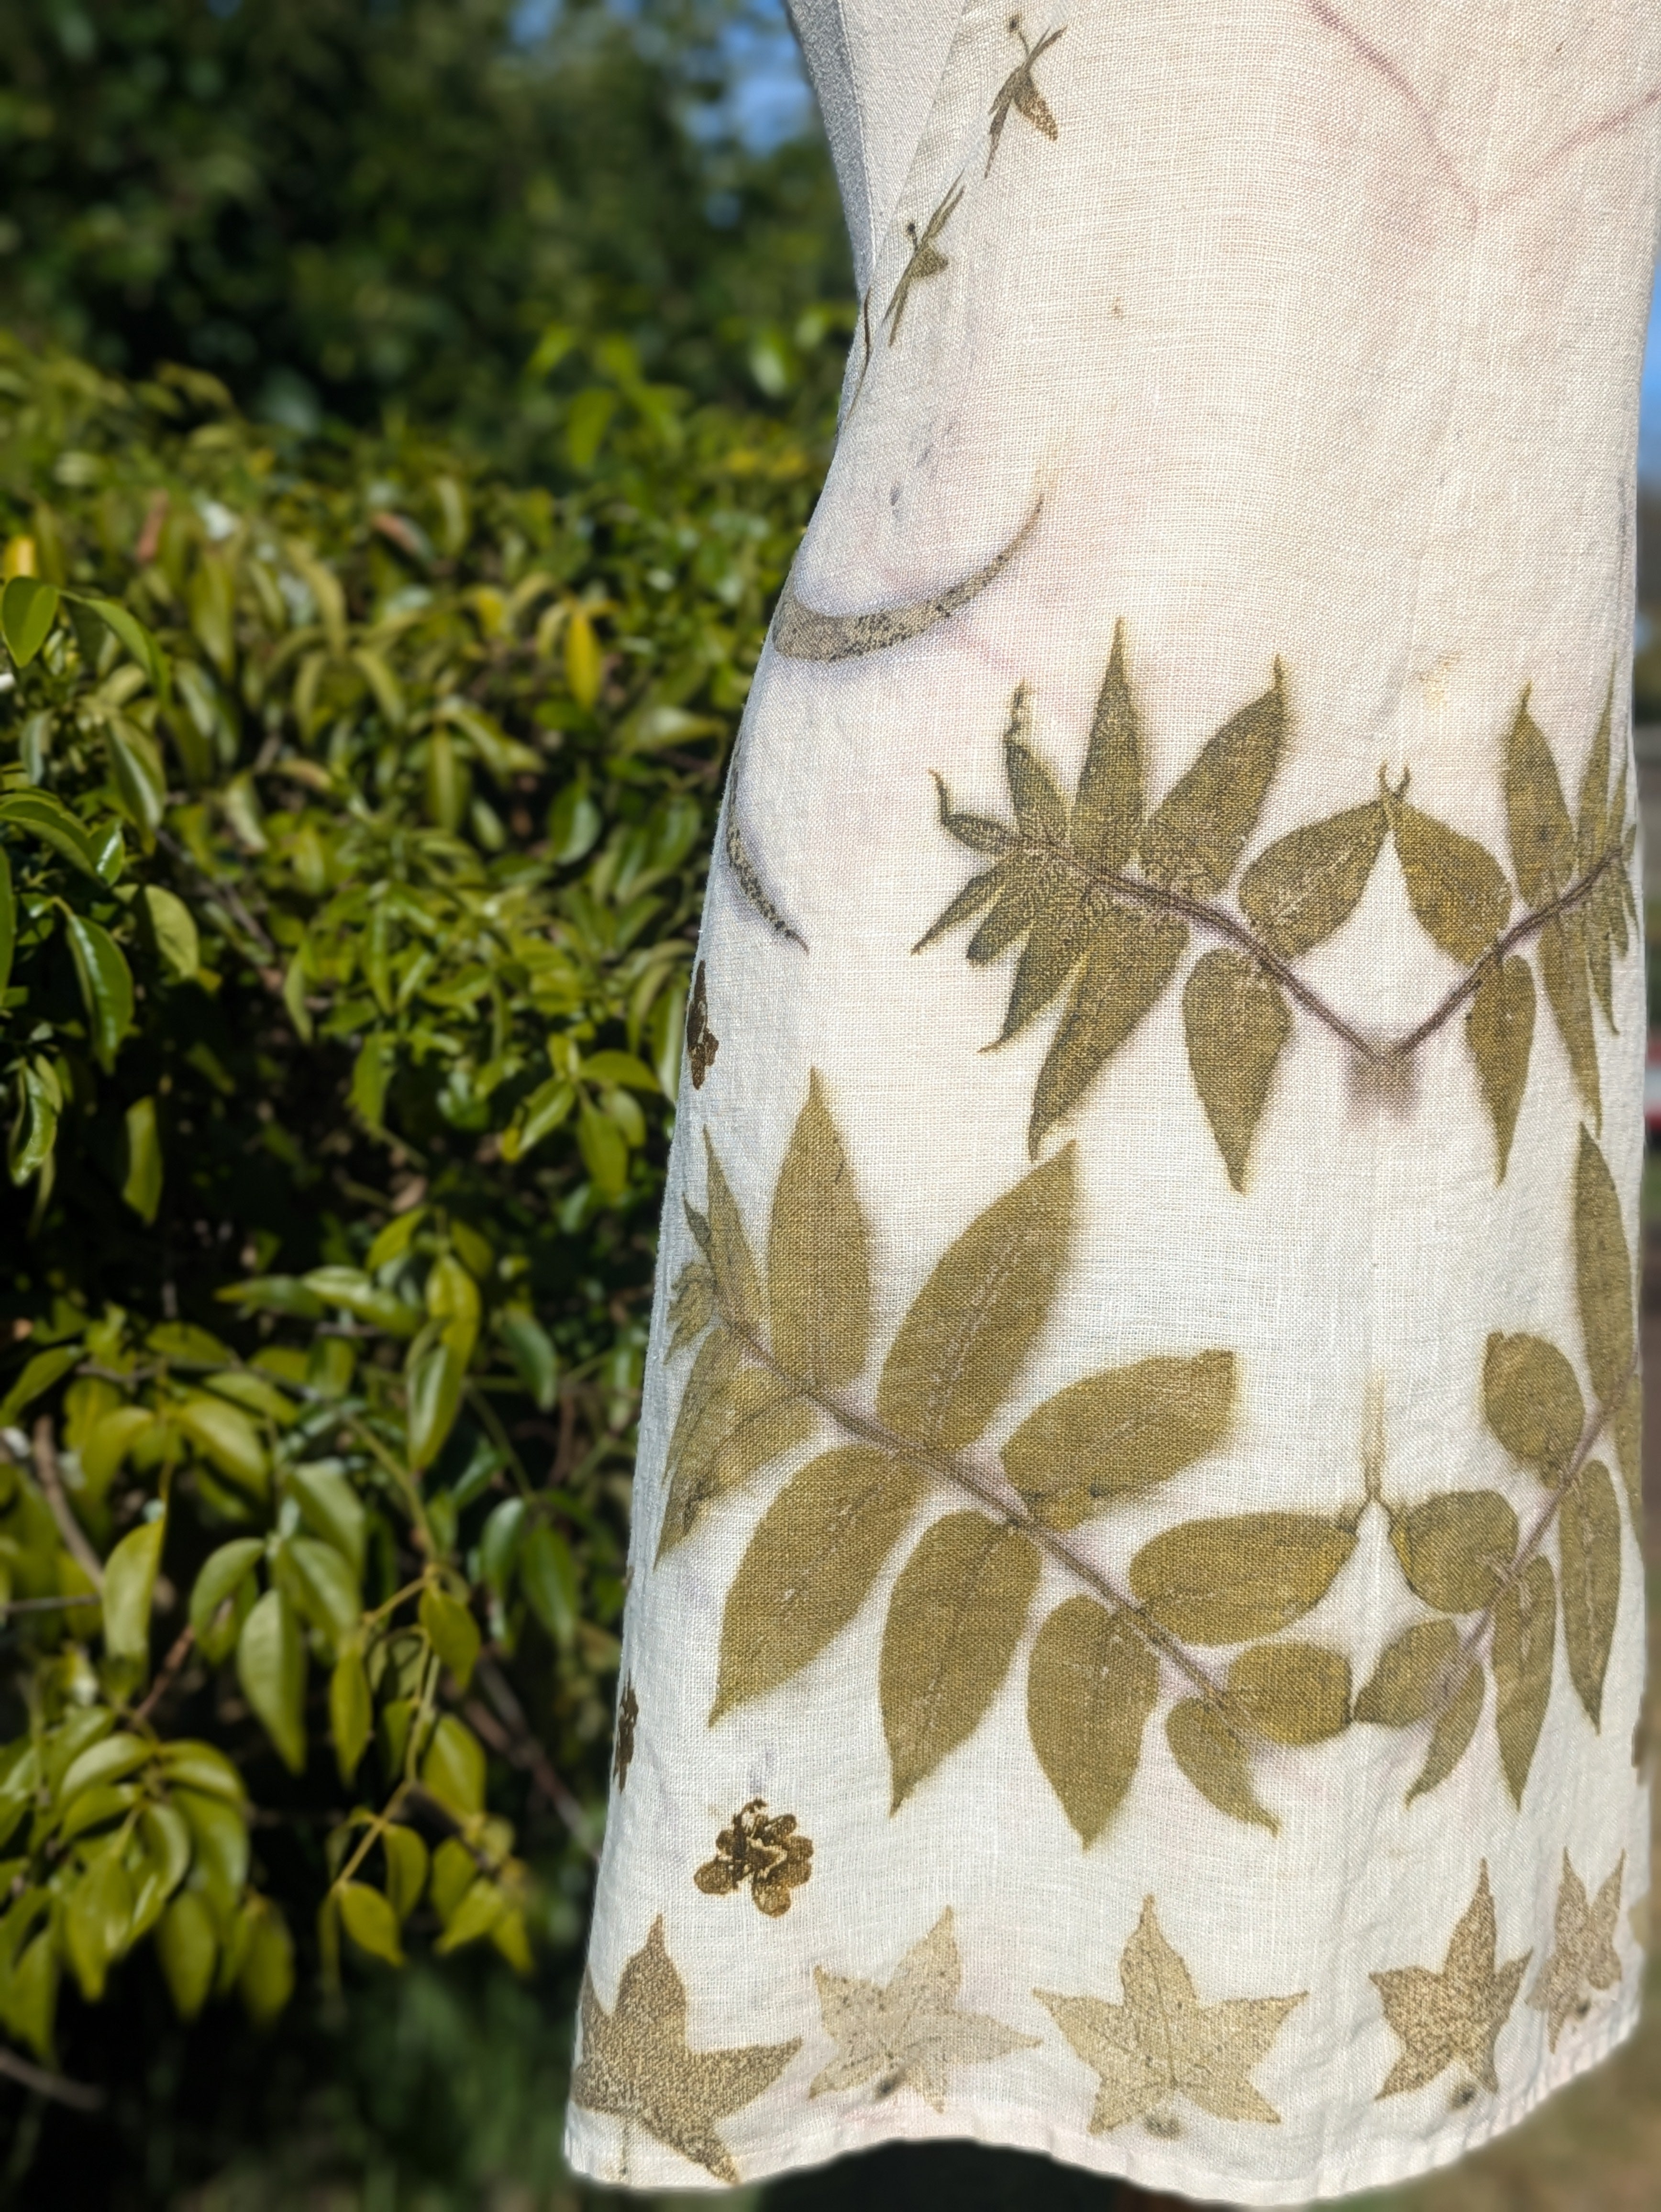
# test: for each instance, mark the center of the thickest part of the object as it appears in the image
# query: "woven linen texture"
(1134, 1639)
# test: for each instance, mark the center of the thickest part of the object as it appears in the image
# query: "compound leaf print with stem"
(784, 1354)
(1103, 897)
(1463, 1553)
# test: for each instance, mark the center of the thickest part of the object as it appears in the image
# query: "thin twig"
(11, 1605)
(81, 2094)
(168, 1674)
(518, 1742)
(52, 1485)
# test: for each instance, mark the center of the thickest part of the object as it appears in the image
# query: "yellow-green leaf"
(1308, 883)
(1412, 1677)
(1626, 1425)
(738, 1286)
(453, 1769)
(1216, 1761)
(1091, 1684)
(1456, 889)
(1119, 1432)
(141, 1188)
(1237, 1021)
(548, 1576)
(1107, 813)
(1195, 838)
(172, 927)
(129, 1582)
(227, 1440)
(105, 984)
(435, 1399)
(187, 1949)
(1236, 1578)
(1542, 835)
(331, 1506)
(1525, 1635)
(1568, 993)
(406, 1869)
(1603, 1265)
(1533, 1403)
(224, 1575)
(351, 1715)
(1294, 1693)
(961, 1348)
(271, 1665)
(28, 608)
(320, 1583)
(1132, 956)
(453, 1631)
(1500, 1029)
(1589, 1536)
(265, 1980)
(96, 1917)
(370, 1921)
(1456, 1724)
(1456, 1547)
(955, 1617)
(810, 1566)
(818, 1263)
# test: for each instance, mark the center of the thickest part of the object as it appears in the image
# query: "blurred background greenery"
(408, 409)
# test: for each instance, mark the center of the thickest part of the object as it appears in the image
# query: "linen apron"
(1135, 1631)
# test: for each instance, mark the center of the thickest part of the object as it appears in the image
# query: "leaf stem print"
(927, 260)
(1106, 894)
(1020, 92)
(1463, 1554)
(781, 1348)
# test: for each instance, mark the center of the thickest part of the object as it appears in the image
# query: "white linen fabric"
(1135, 1640)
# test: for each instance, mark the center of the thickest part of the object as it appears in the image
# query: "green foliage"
(342, 202)
(352, 817)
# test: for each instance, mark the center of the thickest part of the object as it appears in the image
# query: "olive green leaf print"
(1103, 897)
(927, 260)
(635, 2062)
(1020, 92)
(746, 875)
(1584, 1959)
(783, 1352)
(804, 633)
(622, 1755)
(701, 1042)
(1465, 1553)
(910, 2032)
(1453, 2018)
(762, 1849)
(1162, 2043)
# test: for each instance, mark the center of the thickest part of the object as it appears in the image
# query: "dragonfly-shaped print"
(927, 259)
(1020, 91)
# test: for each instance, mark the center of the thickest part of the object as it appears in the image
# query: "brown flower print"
(766, 1852)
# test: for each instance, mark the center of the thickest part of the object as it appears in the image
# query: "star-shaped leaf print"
(1583, 1957)
(1454, 2018)
(911, 2033)
(1162, 2043)
(635, 2064)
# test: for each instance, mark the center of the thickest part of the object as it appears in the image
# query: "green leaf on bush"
(271, 1665)
(105, 984)
(370, 1921)
(188, 1950)
(129, 1582)
(28, 608)
(143, 1188)
(453, 1769)
(453, 1633)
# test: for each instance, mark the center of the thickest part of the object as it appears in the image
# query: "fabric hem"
(1009, 2128)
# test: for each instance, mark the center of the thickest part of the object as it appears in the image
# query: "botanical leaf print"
(1292, 1693)
(762, 1849)
(785, 1352)
(1217, 1759)
(1162, 2043)
(1584, 1960)
(1102, 899)
(701, 1042)
(927, 260)
(911, 2032)
(803, 633)
(1465, 1553)
(635, 2062)
(623, 1756)
(1453, 2018)
(1020, 92)
(746, 874)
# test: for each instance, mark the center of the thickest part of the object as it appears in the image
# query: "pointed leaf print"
(1628, 1425)
(757, 1416)
(1040, 810)
(704, 1400)
(810, 1566)
(1453, 2018)
(1594, 935)
(1294, 1693)
(1542, 835)
(1588, 1535)
(977, 831)
(963, 1345)
(1091, 1684)
(1500, 1029)
(1595, 819)
(1059, 936)
(1118, 1433)
(1307, 884)
(1603, 1275)
(1232, 1580)
(738, 1289)
(978, 892)
(1236, 1020)
(1563, 972)
(1195, 841)
(1107, 811)
(691, 1305)
(1025, 882)
(1583, 1958)
(1525, 1638)
(955, 1616)
(1216, 1761)
(1533, 1403)
(1412, 1677)
(1456, 1724)
(803, 633)
(1456, 1548)
(1456, 889)
(819, 1262)
(1133, 956)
